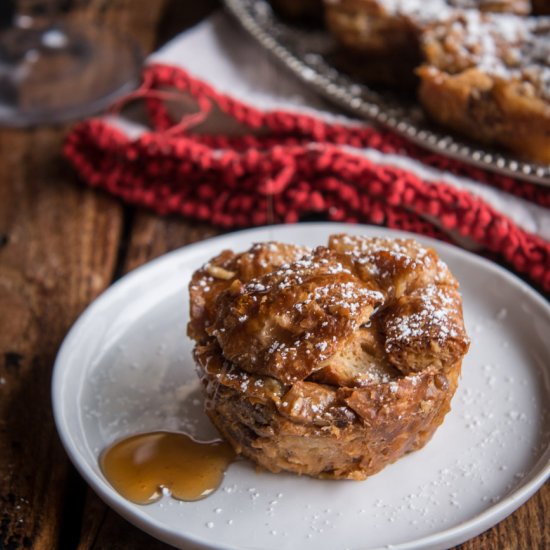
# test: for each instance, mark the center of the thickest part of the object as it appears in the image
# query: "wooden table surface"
(61, 244)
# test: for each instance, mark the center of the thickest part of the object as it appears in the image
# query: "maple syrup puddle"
(143, 466)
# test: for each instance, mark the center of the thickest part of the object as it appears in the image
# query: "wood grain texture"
(60, 245)
(59, 248)
(527, 528)
(150, 237)
(153, 236)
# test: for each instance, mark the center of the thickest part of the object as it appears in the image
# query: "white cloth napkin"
(219, 52)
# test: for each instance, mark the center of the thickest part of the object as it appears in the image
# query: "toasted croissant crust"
(332, 362)
(486, 76)
(285, 323)
(220, 272)
(381, 38)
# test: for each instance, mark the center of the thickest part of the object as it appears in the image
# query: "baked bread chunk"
(382, 37)
(332, 362)
(393, 26)
(487, 76)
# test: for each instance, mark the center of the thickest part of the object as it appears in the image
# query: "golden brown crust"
(393, 27)
(286, 322)
(219, 273)
(383, 25)
(368, 26)
(488, 77)
(352, 435)
(377, 45)
(380, 39)
(361, 363)
(424, 329)
(370, 338)
(397, 265)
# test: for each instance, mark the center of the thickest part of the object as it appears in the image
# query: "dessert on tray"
(332, 362)
(392, 26)
(381, 38)
(487, 76)
(484, 75)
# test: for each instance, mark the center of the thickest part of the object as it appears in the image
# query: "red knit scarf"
(289, 165)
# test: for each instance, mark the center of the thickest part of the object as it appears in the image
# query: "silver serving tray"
(306, 53)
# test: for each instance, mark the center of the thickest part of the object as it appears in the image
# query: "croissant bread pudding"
(383, 36)
(488, 77)
(393, 26)
(331, 362)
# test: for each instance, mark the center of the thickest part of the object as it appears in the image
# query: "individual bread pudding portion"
(488, 77)
(331, 362)
(393, 26)
(382, 37)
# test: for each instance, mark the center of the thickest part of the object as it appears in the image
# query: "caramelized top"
(286, 322)
(397, 265)
(502, 46)
(356, 312)
(220, 272)
(432, 10)
(495, 37)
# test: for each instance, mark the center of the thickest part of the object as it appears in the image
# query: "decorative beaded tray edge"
(301, 51)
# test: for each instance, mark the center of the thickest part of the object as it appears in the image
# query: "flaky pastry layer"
(330, 362)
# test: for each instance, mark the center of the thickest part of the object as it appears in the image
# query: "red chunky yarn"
(293, 128)
(292, 168)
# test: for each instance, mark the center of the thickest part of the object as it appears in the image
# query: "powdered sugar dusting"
(287, 321)
(500, 45)
(434, 317)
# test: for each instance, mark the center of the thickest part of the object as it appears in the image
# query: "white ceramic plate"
(126, 367)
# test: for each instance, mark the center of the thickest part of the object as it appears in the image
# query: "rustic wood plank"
(149, 237)
(112, 531)
(153, 236)
(59, 250)
(139, 19)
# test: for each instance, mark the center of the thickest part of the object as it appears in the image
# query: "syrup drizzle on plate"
(143, 467)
